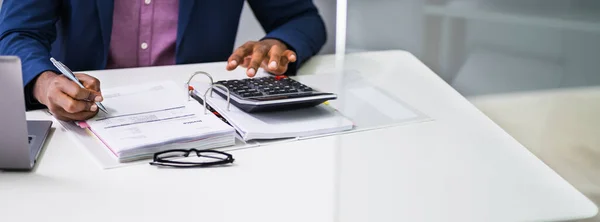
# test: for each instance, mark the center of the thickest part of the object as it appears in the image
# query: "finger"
(284, 62)
(260, 52)
(70, 105)
(63, 115)
(281, 68)
(75, 92)
(89, 82)
(287, 57)
(274, 58)
(290, 55)
(237, 57)
(247, 60)
(265, 64)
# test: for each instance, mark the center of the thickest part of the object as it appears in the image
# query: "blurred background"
(532, 66)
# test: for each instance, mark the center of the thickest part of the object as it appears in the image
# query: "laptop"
(20, 141)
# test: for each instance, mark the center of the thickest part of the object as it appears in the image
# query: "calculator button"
(305, 88)
(266, 86)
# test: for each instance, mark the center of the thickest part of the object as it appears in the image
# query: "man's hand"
(269, 54)
(65, 99)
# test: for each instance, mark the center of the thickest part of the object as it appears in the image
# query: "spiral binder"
(210, 89)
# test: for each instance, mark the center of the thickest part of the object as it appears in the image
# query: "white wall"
(385, 24)
(572, 58)
(577, 52)
(250, 29)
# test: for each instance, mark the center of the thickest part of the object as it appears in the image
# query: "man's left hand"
(269, 54)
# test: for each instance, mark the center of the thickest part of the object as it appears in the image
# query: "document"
(305, 122)
(148, 118)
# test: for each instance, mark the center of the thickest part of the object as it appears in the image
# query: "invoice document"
(149, 118)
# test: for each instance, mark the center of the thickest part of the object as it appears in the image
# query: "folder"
(149, 118)
(321, 119)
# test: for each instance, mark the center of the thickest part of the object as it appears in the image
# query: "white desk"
(559, 126)
(459, 167)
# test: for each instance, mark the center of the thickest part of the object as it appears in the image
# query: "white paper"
(107, 160)
(321, 119)
(153, 115)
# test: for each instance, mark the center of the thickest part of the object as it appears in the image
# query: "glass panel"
(532, 66)
(366, 104)
(484, 47)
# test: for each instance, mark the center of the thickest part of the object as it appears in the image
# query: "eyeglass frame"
(163, 162)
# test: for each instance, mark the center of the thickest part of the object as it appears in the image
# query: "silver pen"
(69, 74)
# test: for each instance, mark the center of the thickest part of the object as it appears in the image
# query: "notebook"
(305, 122)
(148, 118)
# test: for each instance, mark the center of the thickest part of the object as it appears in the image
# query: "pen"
(69, 74)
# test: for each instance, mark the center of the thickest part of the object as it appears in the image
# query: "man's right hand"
(65, 99)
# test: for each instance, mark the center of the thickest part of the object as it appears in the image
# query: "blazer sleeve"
(27, 30)
(297, 23)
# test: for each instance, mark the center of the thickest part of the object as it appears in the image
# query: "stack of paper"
(149, 118)
(305, 122)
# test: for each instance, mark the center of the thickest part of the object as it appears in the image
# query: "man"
(105, 34)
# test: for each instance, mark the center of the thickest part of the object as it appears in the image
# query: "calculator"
(271, 93)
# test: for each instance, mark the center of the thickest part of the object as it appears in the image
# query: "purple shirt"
(144, 33)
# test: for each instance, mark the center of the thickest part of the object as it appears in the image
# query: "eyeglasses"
(177, 158)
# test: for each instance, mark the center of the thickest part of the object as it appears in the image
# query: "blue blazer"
(77, 32)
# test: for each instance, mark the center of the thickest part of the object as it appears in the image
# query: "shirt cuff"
(31, 103)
